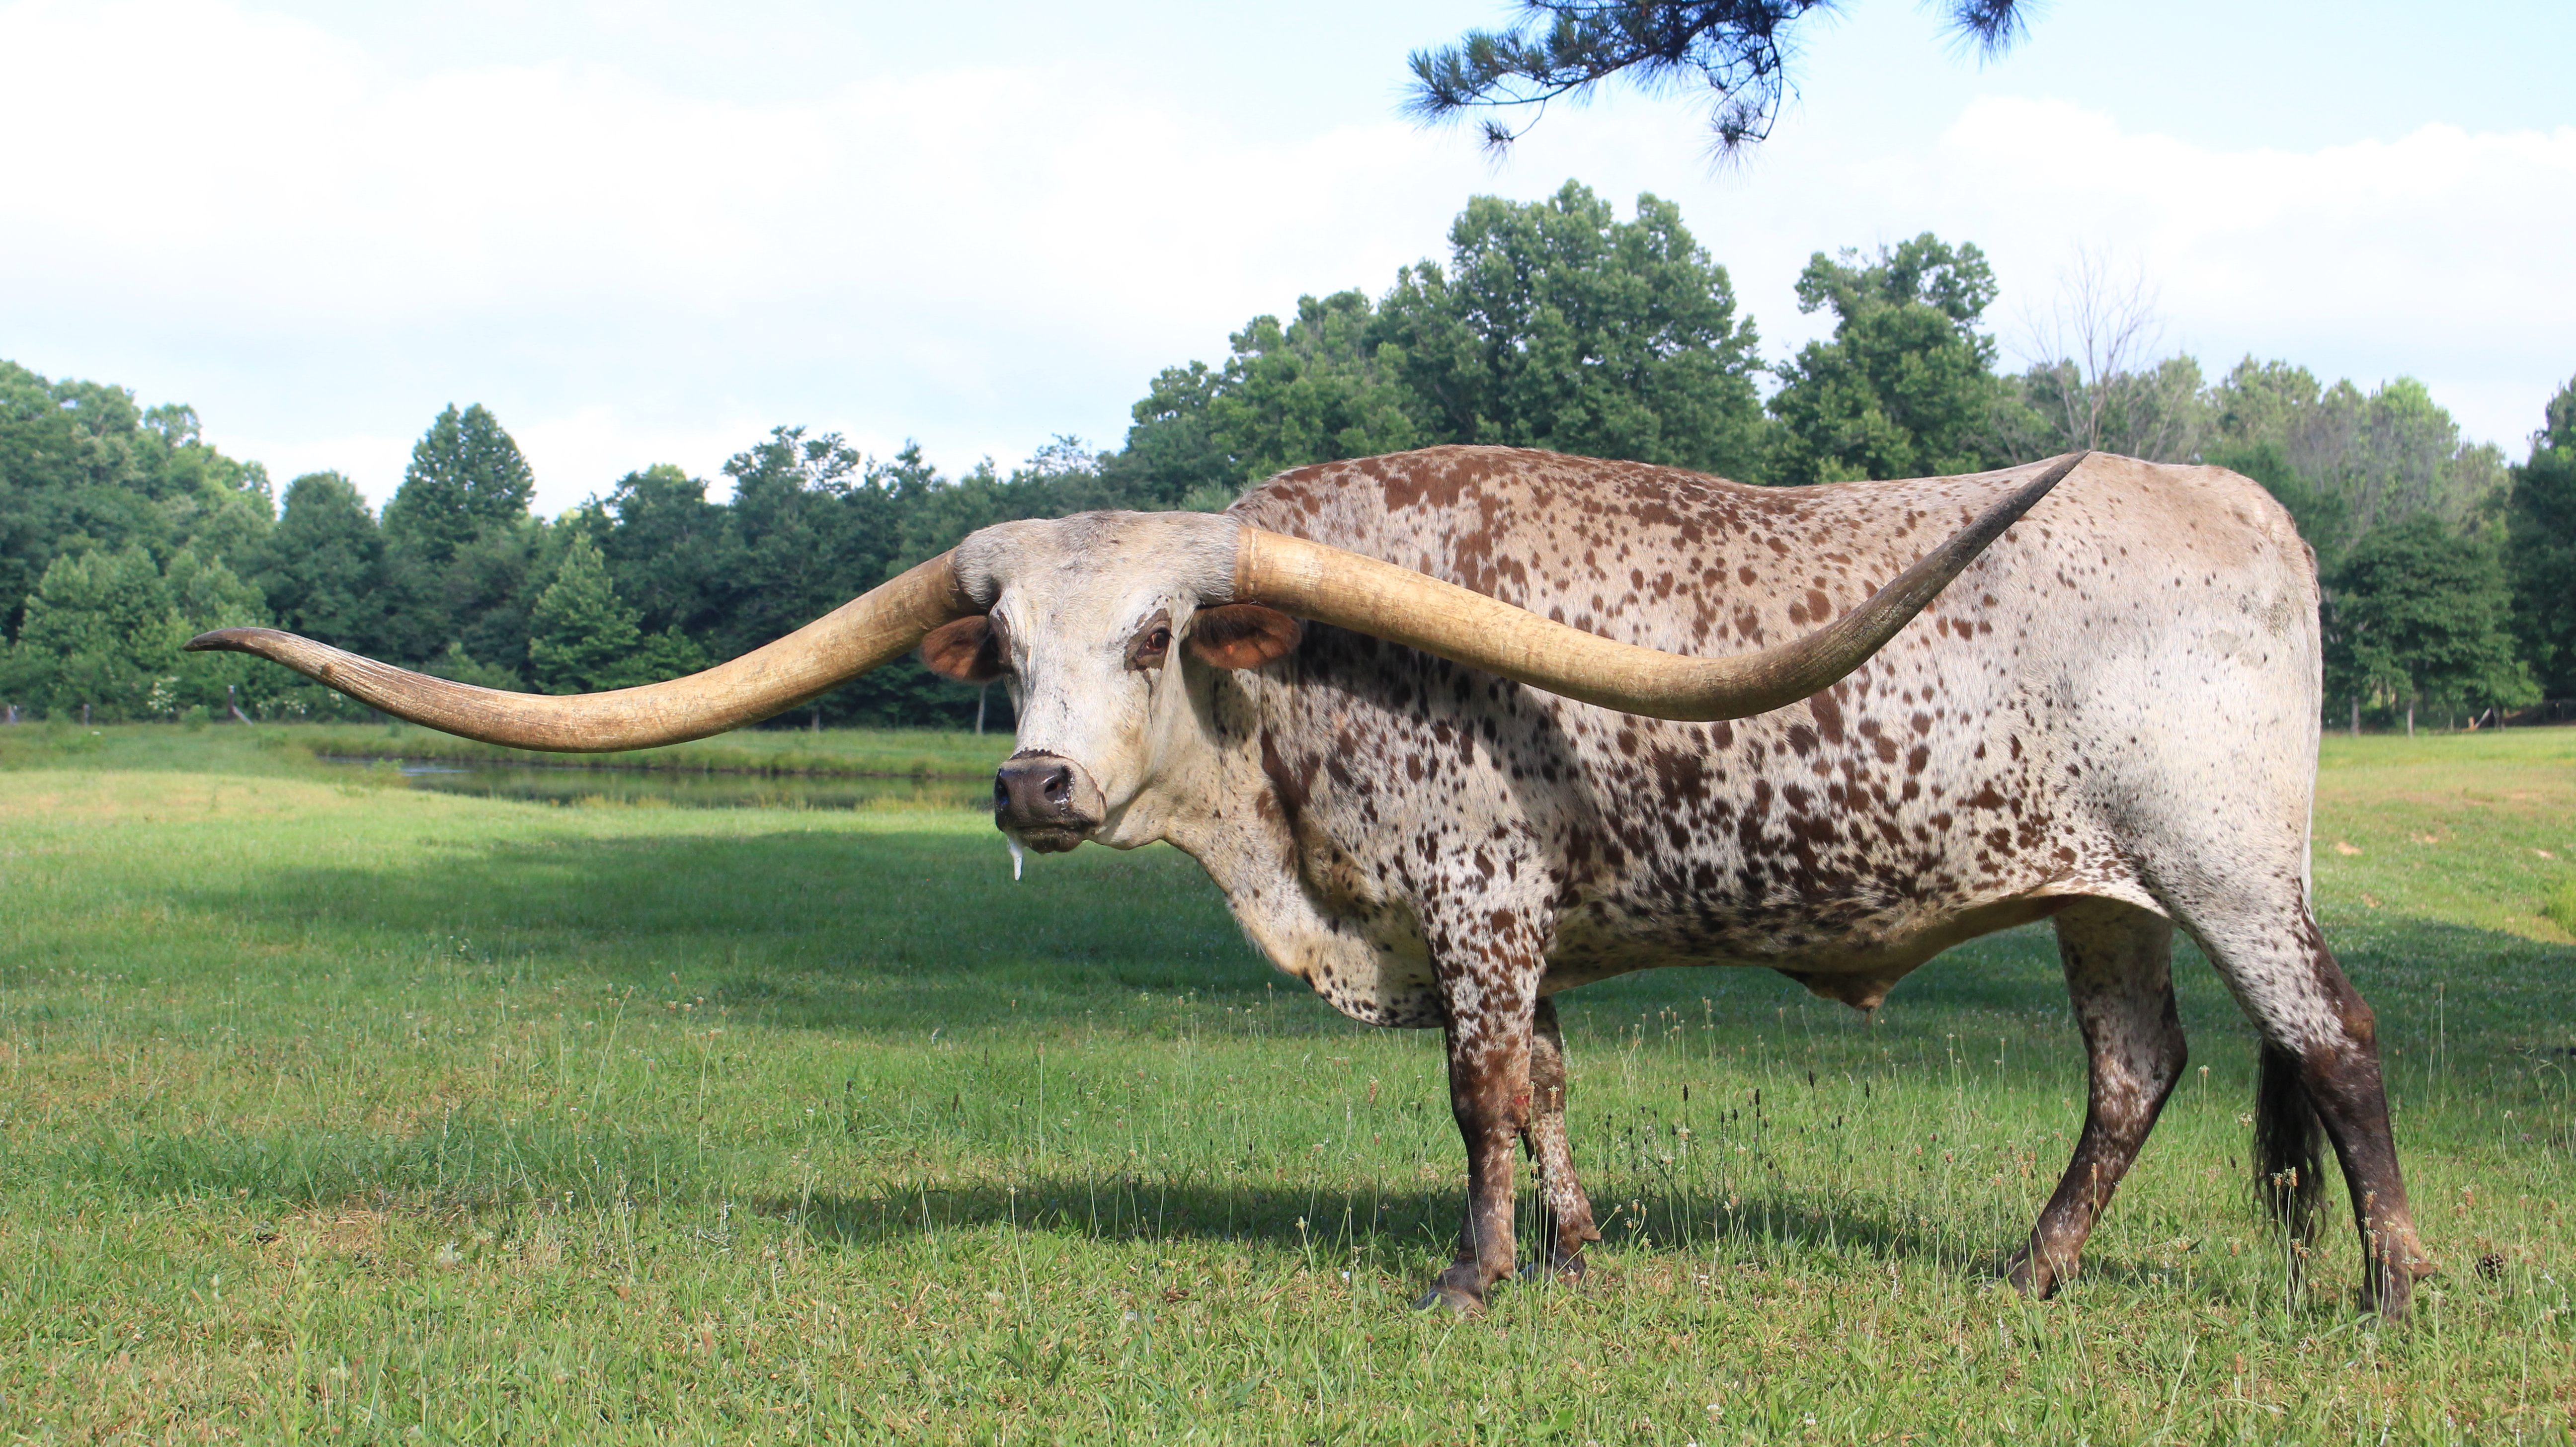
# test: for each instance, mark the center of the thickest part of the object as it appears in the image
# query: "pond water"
(656, 788)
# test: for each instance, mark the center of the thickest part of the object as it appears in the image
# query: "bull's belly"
(1379, 974)
(1854, 961)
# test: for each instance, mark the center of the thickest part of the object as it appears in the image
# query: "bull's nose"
(1049, 802)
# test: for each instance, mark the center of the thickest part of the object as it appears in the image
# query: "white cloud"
(320, 248)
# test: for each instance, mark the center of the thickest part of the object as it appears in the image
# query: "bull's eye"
(1151, 645)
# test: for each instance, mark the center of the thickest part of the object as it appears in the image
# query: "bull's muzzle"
(1046, 802)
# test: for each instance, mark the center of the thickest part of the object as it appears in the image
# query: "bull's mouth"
(1049, 839)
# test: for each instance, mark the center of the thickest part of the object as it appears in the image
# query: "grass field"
(332, 1109)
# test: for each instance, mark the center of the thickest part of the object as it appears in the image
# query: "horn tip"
(232, 640)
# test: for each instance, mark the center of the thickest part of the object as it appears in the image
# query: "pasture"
(337, 1109)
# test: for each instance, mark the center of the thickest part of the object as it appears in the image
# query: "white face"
(1097, 681)
(1096, 625)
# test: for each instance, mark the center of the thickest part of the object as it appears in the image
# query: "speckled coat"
(2110, 719)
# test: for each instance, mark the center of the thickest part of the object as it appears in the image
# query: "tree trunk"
(2356, 715)
(981, 694)
(2410, 718)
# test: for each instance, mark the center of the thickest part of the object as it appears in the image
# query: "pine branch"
(1565, 48)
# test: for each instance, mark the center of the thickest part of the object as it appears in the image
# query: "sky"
(647, 232)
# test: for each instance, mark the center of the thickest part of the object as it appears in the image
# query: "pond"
(661, 788)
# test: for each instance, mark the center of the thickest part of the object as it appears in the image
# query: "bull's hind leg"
(1568, 1208)
(2320, 1067)
(2118, 977)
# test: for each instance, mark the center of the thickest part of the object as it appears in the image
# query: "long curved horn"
(1400, 605)
(874, 628)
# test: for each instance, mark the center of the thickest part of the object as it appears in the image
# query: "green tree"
(84, 466)
(489, 585)
(104, 630)
(2541, 543)
(1311, 391)
(584, 638)
(2420, 615)
(674, 554)
(1905, 386)
(817, 527)
(97, 634)
(323, 568)
(466, 475)
(1172, 454)
(2345, 461)
(1553, 324)
(1558, 325)
(461, 551)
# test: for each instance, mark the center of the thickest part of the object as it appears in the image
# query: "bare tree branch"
(2093, 378)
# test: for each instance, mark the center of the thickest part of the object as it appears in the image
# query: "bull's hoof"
(2032, 1275)
(1455, 1300)
(1458, 1291)
(2391, 1264)
(1568, 1272)
(2389, 1288)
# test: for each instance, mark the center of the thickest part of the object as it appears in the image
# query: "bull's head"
(1090, 618)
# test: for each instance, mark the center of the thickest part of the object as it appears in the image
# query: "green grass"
(334, 1109)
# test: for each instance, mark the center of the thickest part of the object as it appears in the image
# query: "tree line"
(2450, 574)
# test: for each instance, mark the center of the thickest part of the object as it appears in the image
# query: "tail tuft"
(2289, 1178)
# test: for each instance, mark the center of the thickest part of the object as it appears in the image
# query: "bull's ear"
(1243, 635)
(968, 650)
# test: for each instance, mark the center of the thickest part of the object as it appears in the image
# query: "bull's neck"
(1225, 812)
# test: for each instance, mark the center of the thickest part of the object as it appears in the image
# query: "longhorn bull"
(1566, 719)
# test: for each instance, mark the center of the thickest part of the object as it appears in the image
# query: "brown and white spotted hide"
(2112, 713)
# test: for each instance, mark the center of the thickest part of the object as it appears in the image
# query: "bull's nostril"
(1001, 791)
(1059, 787)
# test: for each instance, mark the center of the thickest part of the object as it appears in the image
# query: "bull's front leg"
(1491, 998)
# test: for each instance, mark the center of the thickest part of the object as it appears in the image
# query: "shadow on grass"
(1121, 1208)
(810, 929)
(484, 1168)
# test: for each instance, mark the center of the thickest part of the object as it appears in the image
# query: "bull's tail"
(2288, 1177)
